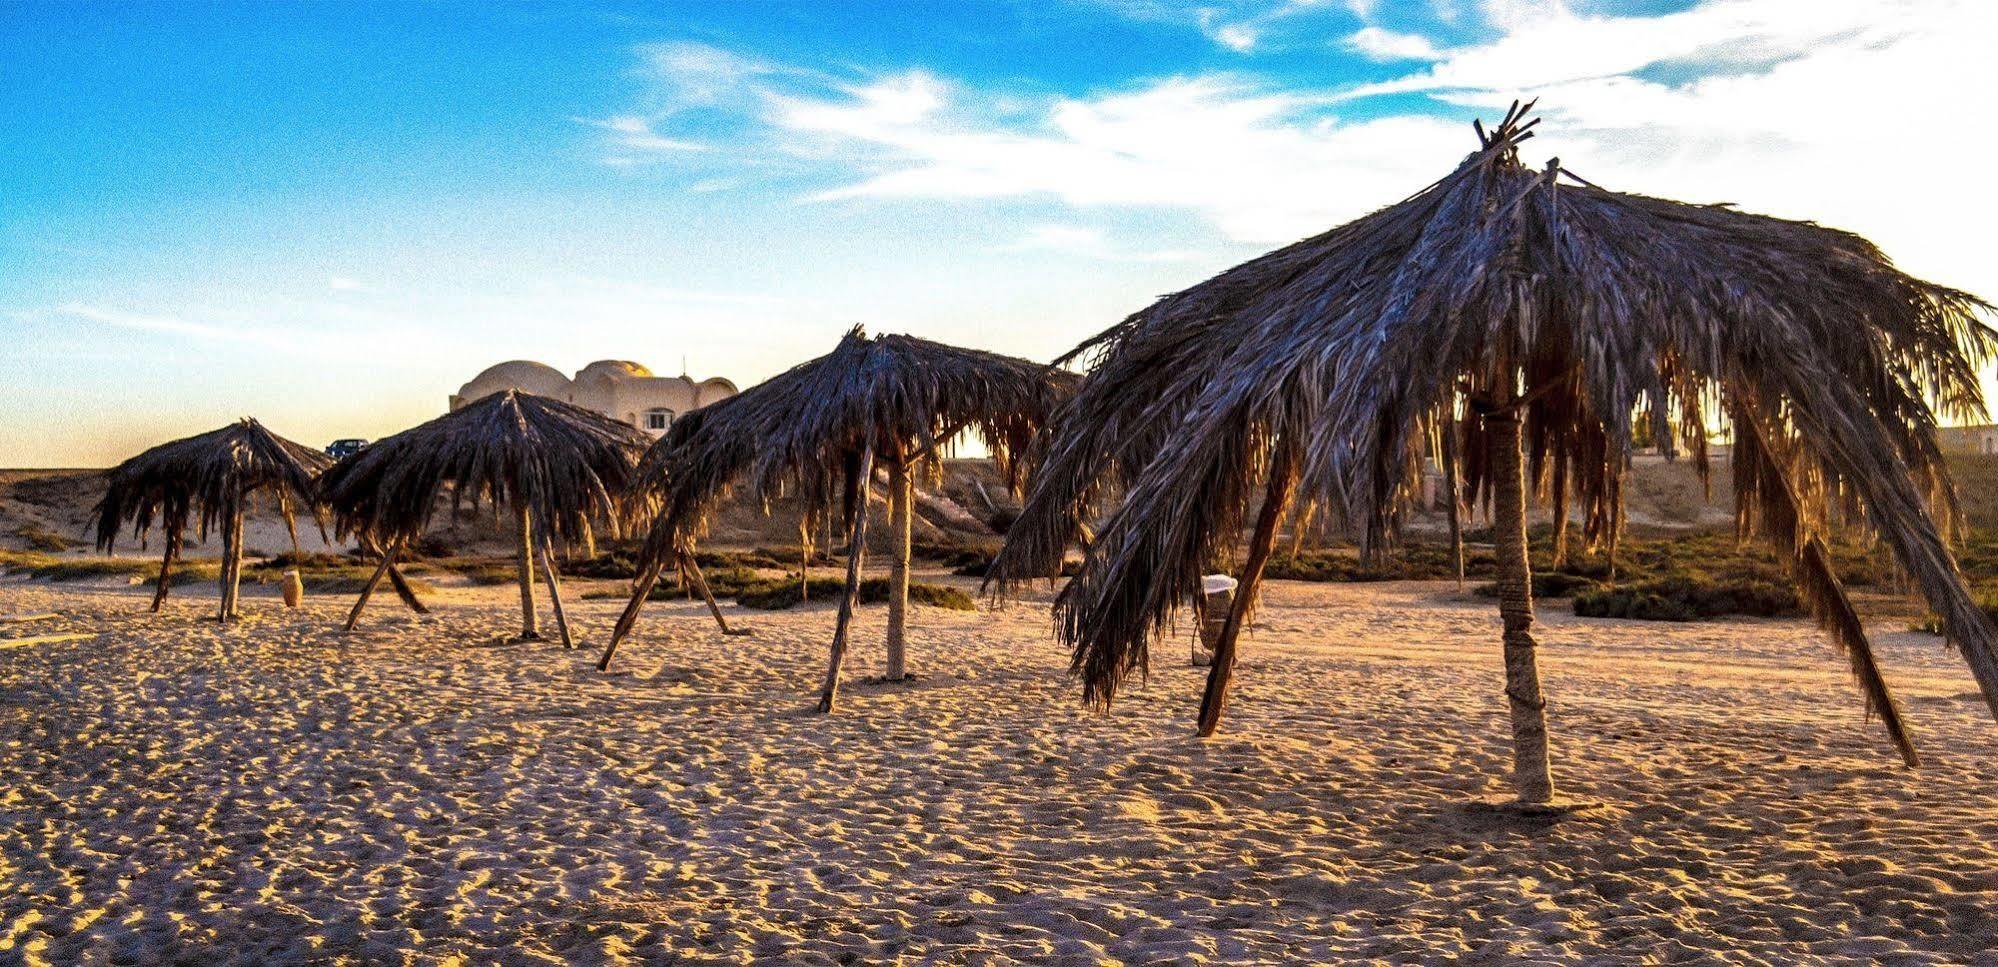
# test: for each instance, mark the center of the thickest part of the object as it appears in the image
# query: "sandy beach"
(279, 792)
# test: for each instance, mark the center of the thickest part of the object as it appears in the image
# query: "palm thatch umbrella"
(204, 481)
(558, 468)
(818, 430)
(1518, 320)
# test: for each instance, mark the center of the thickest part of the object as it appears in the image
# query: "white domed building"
(618, 388)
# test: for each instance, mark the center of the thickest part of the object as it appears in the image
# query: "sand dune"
(278, 792)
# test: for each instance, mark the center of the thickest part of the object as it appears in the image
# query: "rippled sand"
(278, 792)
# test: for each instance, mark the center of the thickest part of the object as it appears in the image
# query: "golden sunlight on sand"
(278, 791)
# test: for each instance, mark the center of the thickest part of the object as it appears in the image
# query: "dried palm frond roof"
(801, 431)
(567, 466)
(1353, 350)
(200, 479)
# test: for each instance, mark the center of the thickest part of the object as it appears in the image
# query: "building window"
(659, 419)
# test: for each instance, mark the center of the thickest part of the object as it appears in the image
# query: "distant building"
(618, 388)
(1969, 439)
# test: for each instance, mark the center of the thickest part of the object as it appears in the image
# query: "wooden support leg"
(232, 561)
(856, 543)
(1452, 438)
(901, 516)
(1560, 486)
(388, 563)
(555, 594)
(640, 590)
(805, 558)
(1283, 476)
(696, 581)
(166, 570)
(525, 562)
(404, 591)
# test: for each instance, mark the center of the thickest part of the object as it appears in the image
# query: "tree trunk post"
(1222, 670)
(166, 569)
(555, 592)
(525, 562)
(901, 516)
(387, 565)
(640, 590)
(856, 546)
(1530, 771)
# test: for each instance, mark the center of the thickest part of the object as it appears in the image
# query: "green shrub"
(1688, 599)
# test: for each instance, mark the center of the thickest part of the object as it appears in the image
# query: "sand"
(277, 792)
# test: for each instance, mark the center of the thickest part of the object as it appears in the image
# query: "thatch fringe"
(200, 480)
(567, 467)
(804, 431)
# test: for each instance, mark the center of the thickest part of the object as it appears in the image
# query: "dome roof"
(614, 369)
(527, 375)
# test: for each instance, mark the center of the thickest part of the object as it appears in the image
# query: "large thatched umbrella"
(1498, 314)
(818, 429)
(207, 480)
(559, 469)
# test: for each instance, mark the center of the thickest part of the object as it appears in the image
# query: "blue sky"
(330, 215)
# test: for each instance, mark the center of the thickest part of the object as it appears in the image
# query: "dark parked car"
(341, 449)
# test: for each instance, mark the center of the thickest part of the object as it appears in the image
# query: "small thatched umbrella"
(1503, 314)
(207, 480)
(818, 429)
(558, 468)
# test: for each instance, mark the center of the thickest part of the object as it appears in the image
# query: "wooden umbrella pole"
(1560, 487)
(525, 562)
(1532, 777)
(640, 590)
(555, 590)
(232, 559)
(698, 582)
(404, 591)
(166, 569)
(1283, 476)
(855, 549)
(901, 525)
(805, 558)
(1451, 437)
(388, 564)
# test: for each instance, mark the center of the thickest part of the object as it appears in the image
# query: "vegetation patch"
(40, 538)
(48, 567)
(778, 595)
(1689, 599)
(1549, 584)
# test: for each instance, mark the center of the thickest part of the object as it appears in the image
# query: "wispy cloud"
(1775, 103)
(1377, 44)
(135, 321)
(1091, 243)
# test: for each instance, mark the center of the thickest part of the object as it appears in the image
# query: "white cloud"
(631, 133)
(1377, 44)
(1085, 242)
(1261, 165)
(342, 283)
(1862, 115)
(1865, 115)
(1236, 37)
